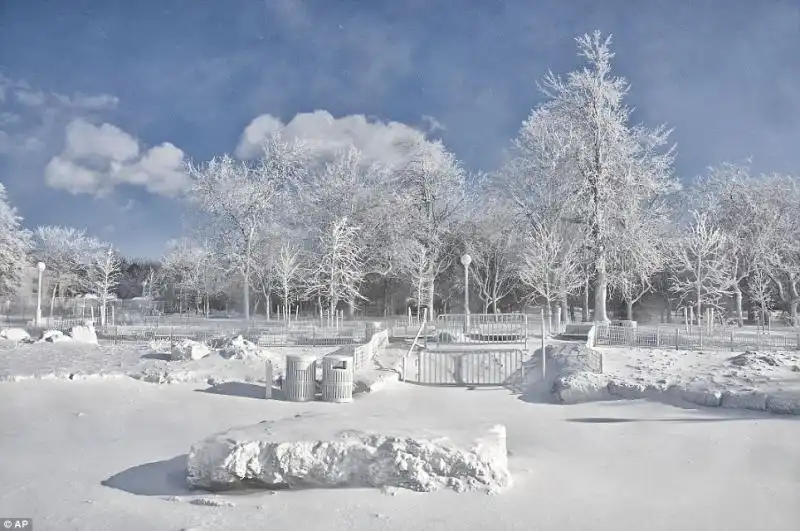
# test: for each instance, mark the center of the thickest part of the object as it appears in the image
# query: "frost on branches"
(14, 245)
(582, 141)
(238, 200)
(430, 193)
(700, 265)
(289, 271)
(551, 269)
(339, 266)
(68, 254)
(493, 242)
(105, 276)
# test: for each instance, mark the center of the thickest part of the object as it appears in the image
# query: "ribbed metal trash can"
(300, 384)
(337, 378)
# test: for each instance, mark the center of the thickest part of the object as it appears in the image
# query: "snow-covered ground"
(110, 454)
(72, 360)
(747, 380)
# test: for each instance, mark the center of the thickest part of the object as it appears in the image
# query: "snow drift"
(54, 336)
(186, 349)
(84, 334)
(293, 453)
(757, 381)
(15, 334)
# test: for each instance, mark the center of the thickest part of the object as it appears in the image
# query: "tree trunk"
(53, 298)
(629, 310)
(486, 306)
(548, 313)
(737, 292)
(585, 309)
(430, 299)
(600, 289)
(564, 308)
(795, 302)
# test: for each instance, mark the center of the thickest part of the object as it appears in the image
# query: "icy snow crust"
(315, 451)
(57, 357)
(759, 381)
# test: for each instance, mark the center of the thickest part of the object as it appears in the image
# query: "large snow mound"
(317, 453)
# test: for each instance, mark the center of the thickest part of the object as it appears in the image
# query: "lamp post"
(40, 266)
(465, 261)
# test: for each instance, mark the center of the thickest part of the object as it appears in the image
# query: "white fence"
(696, 338)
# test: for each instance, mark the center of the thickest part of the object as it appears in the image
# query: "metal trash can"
(337, 378)
(300, 383)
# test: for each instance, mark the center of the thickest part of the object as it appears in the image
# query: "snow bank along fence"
(695, 338)
(265, 334)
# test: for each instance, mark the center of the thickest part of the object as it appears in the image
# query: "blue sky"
(185, 78)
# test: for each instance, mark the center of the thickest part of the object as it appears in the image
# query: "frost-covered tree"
(582, 141)
(15, 242)
(239, 199)
(414, 265)
(782, 257)
(288, 270)
(760, 291)
(105, 275)
(638, 253)
(700, 265)
(67, 253)
(338, 268)
(348, 185)
(430, 192)
(550, 267)
(192, 271)
(743, 207)
(493, 243)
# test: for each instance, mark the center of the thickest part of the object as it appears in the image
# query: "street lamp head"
(466, 260)
(40, 266)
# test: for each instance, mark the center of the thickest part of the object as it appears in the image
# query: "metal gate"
(468, 367)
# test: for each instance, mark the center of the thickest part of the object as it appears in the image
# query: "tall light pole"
(465, 261)
(40, 266)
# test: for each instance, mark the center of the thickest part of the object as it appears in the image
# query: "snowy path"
(616, 465)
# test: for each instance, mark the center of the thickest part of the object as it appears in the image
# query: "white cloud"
(160, 171)
(30, 98)
(65, 174)
(86, 140)
(377, 140)
(95, 159)
(32, 119)
(98, 102)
